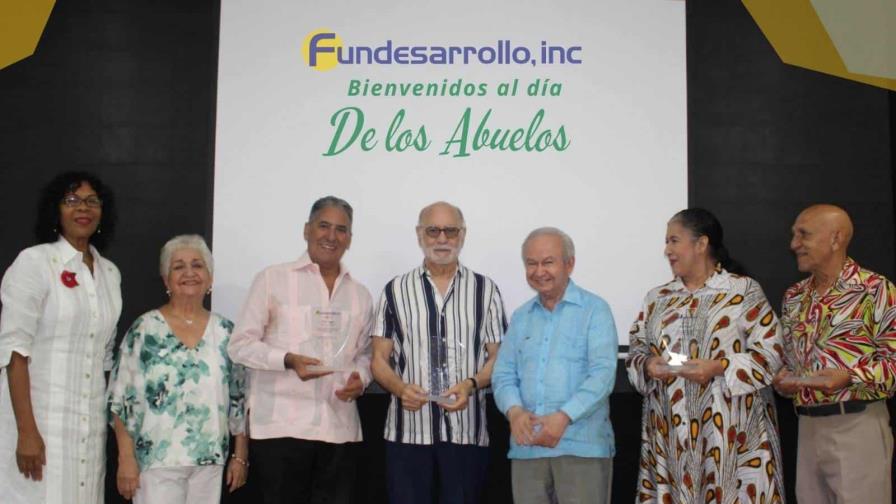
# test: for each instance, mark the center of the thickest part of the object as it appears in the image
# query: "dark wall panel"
(767, 139)
(125, 90)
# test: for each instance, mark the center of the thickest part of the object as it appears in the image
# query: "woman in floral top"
(175, 397)
(708, 428)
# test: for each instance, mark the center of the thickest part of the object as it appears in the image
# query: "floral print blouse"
(179, 404)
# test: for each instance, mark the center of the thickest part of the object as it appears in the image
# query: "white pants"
(180, 485)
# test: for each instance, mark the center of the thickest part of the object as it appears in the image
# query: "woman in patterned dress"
(709, 430)
(61, 302)
(175, 397)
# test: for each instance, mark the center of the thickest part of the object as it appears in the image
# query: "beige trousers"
(562, 480)
(845, 459)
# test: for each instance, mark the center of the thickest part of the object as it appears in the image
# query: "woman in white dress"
(61, 303)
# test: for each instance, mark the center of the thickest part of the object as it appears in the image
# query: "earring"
(168, 292)
(209, 292)
(55, 231)
(99, 231)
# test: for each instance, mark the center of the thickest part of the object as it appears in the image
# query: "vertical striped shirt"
(433, 332)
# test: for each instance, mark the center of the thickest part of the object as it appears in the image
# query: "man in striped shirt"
(435, 340)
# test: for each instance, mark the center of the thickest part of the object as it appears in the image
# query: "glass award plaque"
(438, 384)
(439, 380)
(803, 376)
(328, 342)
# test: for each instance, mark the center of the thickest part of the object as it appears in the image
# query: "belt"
(840, 408)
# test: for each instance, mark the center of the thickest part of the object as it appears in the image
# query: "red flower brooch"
(68, 279)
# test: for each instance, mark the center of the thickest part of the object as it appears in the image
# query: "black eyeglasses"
(435, 231)
(74, 201)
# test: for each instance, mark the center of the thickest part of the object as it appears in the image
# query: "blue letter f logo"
(314, 48)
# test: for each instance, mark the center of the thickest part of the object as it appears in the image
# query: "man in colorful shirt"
(553, 380)
(435, 341)
(840, 344)
(304, 427)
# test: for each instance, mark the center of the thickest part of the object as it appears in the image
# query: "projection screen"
(567, 114)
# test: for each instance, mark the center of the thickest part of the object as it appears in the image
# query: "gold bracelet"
(244, 462)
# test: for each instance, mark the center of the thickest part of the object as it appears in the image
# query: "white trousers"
(180, 485)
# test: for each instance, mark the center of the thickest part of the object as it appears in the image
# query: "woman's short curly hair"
(185, 241)
(47, 228)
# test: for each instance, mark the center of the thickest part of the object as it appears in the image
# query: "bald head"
(821, 236)
(831, 218)
(440, 206)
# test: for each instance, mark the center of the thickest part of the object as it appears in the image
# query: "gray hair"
(460, 215)
(330, 201)
(185, 241)
(569, 248)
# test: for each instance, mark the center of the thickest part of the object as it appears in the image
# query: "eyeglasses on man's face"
(74, 201)
(435, 231)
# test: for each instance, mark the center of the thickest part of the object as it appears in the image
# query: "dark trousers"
(299, 471)
(443, 473)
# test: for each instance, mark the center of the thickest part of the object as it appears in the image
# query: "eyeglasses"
(74, 201)
(435, 231)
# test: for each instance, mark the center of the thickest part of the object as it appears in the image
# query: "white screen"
(612, 188)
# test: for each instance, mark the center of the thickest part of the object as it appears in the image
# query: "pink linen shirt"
(277, 318)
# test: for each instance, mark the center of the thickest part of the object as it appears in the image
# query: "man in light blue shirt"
(553, 379)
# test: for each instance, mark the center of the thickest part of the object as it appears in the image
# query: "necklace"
(188, 321)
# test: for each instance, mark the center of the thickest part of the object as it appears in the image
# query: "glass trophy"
(439, 380)
(328, 342)
(675, 364)
(438, 384)
(675, 361)
(803, 376)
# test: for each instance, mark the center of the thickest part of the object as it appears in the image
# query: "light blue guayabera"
(180, 405)
(563, 359)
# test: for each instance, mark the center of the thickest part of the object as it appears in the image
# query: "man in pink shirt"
(304, 335)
